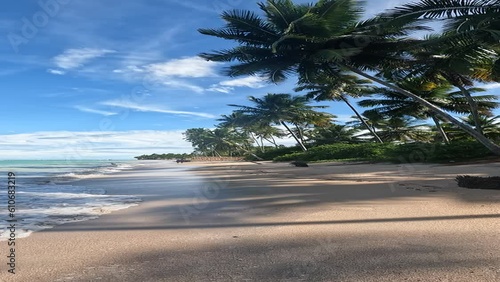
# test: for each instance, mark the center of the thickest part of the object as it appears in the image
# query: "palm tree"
(401, 129)
(217, 141)
(328, 36)
(258, 131)
(392, 103)
(328, 88)
(281, 109)
(334, 133)
(443, 60)
(468, 49)
(491, 127)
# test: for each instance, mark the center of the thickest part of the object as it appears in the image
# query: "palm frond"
(283, 12)
(432, 9)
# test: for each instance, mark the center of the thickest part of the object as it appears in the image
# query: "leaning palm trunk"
(255, 140)
(294, 136)
(362, 119)
(243, 149)
(300, 134)
(440, 129)
(494, 148)
(473, 108)
(273, 141)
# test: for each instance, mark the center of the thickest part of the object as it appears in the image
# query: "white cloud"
(216, 88)
(184, 67)
(180, 84)
(228, 86)
(249, 81)
(57, 72)
(152, 108)
(74, 58)
(91, 145)
(94, 111)
(175, 73)
(491, 86)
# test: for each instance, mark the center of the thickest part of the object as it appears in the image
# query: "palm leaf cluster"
(335, 54)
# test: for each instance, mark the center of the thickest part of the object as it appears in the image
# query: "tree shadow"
(315, 258)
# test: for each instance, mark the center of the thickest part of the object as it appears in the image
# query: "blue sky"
(114, 79)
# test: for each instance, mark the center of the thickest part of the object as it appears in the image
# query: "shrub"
(275, 152)
(367, 151)
(399, 153)
(438, 152)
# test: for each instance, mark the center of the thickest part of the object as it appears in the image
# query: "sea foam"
(42, 204)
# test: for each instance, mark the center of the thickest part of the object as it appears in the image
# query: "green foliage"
(169, 156)
(338, 151)
(280, 109)
(330, 37)
(272, 153)
(218, 141)
(399, 153)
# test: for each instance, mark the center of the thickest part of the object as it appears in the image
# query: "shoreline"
(275, 222)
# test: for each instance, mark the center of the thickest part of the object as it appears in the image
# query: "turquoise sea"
(44, 197)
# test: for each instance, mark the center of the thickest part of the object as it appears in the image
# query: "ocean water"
(44, 197)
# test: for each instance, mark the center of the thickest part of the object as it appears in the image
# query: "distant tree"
(338, 88)
(334, 133)
(390, 103)
(258, 131)
(285, 110)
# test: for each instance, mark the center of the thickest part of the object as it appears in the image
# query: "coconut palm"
(217, 141)
(258, 131)
(392, 103)
(334, 133)
(401, 129)
(468, 48)
(328, 36)
(282, 109)
(453, 63)
(491, 127)
(337, 89)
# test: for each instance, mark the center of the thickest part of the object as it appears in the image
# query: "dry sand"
(274, 222)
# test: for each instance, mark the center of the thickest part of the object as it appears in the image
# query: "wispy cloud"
(95, 111)
(184, 67)
(250, 81)
(491, 86)
(75, 58)
(228, 86)
(91, 145)
(152, 108)
(174, 73)
(58, 72)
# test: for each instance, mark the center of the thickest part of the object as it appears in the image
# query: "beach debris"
(299, 164)
(477, 182)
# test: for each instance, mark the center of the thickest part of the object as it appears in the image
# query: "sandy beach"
(274, 222)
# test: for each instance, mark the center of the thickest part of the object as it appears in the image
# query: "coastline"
(274, 222)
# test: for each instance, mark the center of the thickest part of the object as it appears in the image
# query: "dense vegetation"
(390, 152)
(402, 72)
(168, 156)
